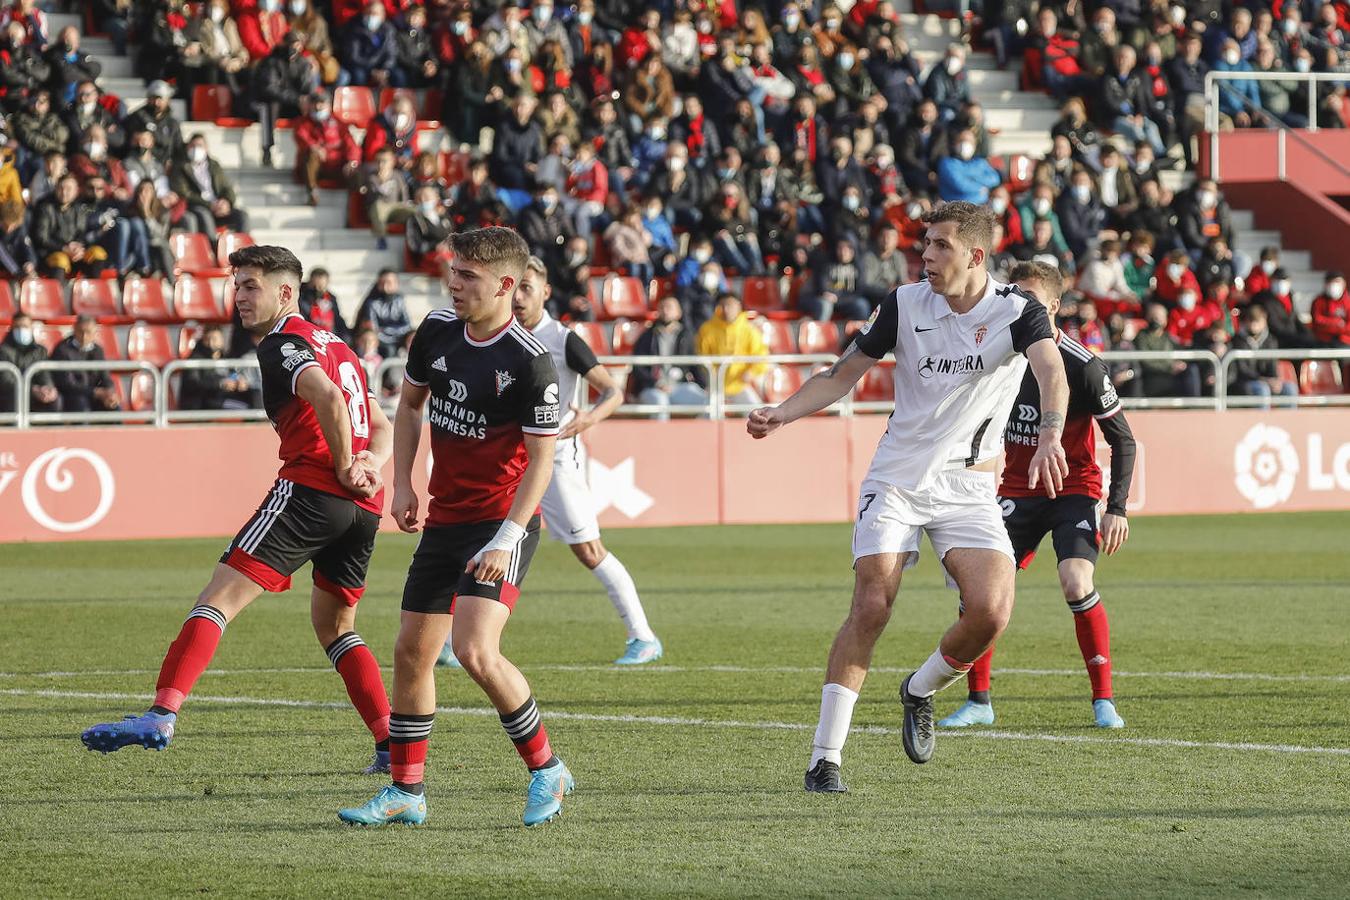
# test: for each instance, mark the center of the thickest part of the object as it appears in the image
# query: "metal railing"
(717, 405)
(15, 379)
(1311, 79)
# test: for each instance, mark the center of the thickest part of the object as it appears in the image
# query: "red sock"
(188, 656)
(977, 679)
(527, 732)
(1094, 640)
(408, 736)
(361, 673)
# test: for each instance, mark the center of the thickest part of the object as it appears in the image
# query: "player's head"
(1040, 280)
(266, 285)
(485, 272)
(957, 245)
(532, 292)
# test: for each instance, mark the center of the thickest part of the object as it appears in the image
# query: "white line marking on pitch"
(626, 719)
(628, 671)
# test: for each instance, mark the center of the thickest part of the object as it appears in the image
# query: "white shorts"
(569, 509)
(960, 509)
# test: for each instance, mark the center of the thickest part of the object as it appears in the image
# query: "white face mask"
(585, 16)
(1041, 206)
(708, 280)
(702, 255)
(792, 20)
(298, 7)
(429, 207)
(1175, 271)
(653, 212)
(998, 205)
(197, 154)
(513, 66)
(1281, 288)
(845, 61)
(1178, 15)
(542, 14)
(374, 23)
(1303, 65)
(23, 336)
(1232, 57)
(270, 5)
(852, 202)
(1207, 199)
(95, 150)
(953, 65)
(321, 115)
(1268, 266)
(965, 149)
(1289, 26)
(1336, 291)
(1186, 301)
(676, 164)
(1082, 192)
(401, 122)
(217, 14)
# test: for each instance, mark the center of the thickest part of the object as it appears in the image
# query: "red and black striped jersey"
(291, 347)
(485, 397)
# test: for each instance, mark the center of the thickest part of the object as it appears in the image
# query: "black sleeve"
(877, 337)
(1098, 389)
(1118, 435)
(282, 357)
(1031, 326)
(415, 369)
(536, 400)
(578, 354)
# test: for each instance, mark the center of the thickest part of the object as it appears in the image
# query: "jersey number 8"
(356, 399)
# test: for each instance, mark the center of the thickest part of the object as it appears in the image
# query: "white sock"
(934, 675)
(623, 594)
(836, 712)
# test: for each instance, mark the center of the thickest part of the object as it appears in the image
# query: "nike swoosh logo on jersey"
(918, 330)
(579, 530)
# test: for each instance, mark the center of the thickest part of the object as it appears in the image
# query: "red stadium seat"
(593, 333)
(215, 103)
(1320, 376)
(146, 299)
(192, 252)
(762, 294)
(777, 335)
(781, 382)
(624, 297)
(142, 392)
(817, 337)
(454, 167)
(48, 335)
(1286, 370)
(108, 340)
(195, 298)
(42, 298)
(94, 297)
(877, 385)
(229, 242)
(433, 105)
(795, 286)
(150, 343)
(8, 304)
(354, 105)
(626, 334)
(188, 336)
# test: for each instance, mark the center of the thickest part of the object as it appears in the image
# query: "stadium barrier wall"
(199, 481)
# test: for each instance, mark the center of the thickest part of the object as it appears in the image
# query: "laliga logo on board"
(52, 470)
(1267, 466)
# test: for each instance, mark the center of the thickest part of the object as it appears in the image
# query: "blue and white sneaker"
(636, 652)
(390, 806)
(1104, 711)
(968, 714)
(447, 658)
(543, 801)
(152, 731)
(379, 765)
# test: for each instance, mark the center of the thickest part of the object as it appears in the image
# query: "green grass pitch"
(1233, 777)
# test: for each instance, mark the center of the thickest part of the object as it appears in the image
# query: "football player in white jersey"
(962, 342)
(569, 509)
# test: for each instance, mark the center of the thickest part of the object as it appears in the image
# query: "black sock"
(161, 710)
(978, 697)
(382, 746)
(552, 761)
(417, 788)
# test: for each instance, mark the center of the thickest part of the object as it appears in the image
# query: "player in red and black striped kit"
(1071, 519)
(324, 507)
(494, 419)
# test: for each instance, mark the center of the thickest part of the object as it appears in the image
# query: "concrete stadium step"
(1018, 118)
(356, 244)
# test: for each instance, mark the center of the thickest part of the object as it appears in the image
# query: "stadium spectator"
(947, 84)
(385, 193)
(279, 82)
(141, 165)
(369, 49)
(922, 144)
(21, 348)
(668, 385)
(262, 27)
(1173, 275)
(60, 231)
(39, 130)
(545, 227)
(629, 245)
(1215, 265)
(1099, 45)
(150, 223)
(156, 118)
(396, 129)
(215, 387)
(319, 305)
(1103, 277)
(415, 60)
(1156, 215)
(729, 333)
(1257, 377)
(325, 147)
(1186, 78)
(1258, 279)
(1081, 215)
(731, 220)
(1331, 312)
(366, 345)
(1115, 188)
(112, 17)
(107, 227)
(84, 390)
(18, 259)
(884, 267)
(1203, 214)
(87, 111)
(315, 36)
(1163, 377)
(92, 159)
(1041, 246)
(428, 231)
(1138, 264)
(202, 183)
(69, 65)
(1192, 315)
(22, 68)
(965, 176)
(1239, 99)
(836, 289)
(385, 311)
(214, 53)
(517, 148)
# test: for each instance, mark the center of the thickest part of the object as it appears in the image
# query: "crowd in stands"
(689, 145)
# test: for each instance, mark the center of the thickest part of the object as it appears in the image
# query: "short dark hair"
(269, 258)
(496, 246)
(1046, 274)
(974, 223)
(317, 271)
(85, 319)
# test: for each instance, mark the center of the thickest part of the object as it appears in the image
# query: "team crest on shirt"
(979, 334)
(504, 381)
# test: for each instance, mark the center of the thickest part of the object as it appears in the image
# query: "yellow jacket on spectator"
(10, 188)
(718, 337)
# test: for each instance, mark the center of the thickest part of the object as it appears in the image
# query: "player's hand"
(404, 509)
(1048, 467)
(581, 420)
(764, 422)
(1115, 532)
(489, 565)
(360, 479)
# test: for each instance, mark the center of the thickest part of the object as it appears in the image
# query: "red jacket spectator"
(591, 184)
(1183, 324)
(331, 136)
(1166, 288)
(381, 133)
(633, 48)
(260, 31)
(451, 47)
(1256, 281)
(346, 10)
(34, 22)
(109, 168)
(1061, 54)
(1329, 319)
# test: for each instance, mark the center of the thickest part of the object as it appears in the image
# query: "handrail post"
(1280, 154)
(1312, 102)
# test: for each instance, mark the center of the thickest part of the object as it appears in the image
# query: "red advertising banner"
(123, 483)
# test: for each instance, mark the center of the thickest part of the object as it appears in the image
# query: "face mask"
(1142, 166)
(953, 65)
(585, 16)
(217, 14)
(656, 134)
(23, 336)
(1154, 60)
(88, 107)
(1207, 199)
(852, 202)
(1101, 27)
(708, 280)
(845, 60)
(197, 154)
(884, 163)
(676, 164)
(1281, 288)
(298, 8)
(321, 115)
(1336, 291)
(1175, 271)
(702, 255)
(1232, 57)
(965, 149)
(1289, 26)
(429, 206)
(1186, 301)
(95, 150)
(704, 27)
(548, 203)
(1178, 15)
(1041, 206)
(542, 14)
(270, 5)
(402, 122)
(1082, 192)
(1303, 65)
(513, 66)
(792, 20)
(1268, 267)
(914, 210)
(998, 205)
(373, 23)
(831, 24)
(653, 212)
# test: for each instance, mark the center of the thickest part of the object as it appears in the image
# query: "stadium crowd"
(686, 144)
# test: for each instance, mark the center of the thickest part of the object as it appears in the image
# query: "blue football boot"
(543, 802)
(1104, 711)
(637, 652)
(969, 713)
(390, 806)
(152, 731)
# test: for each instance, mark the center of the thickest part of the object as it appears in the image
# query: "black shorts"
(436, 576)
(296, 524)
(1071, 520)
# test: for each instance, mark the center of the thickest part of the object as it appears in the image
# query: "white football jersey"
(956, 377)
(573, 358)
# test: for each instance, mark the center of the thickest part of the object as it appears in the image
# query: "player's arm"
(875, 340)
(581, 359)
(1115, 527)
(1049, 465)
(330, 408)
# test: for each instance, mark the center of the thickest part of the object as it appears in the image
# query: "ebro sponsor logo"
(1267, 465)
(59, 471)
(940, 365)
